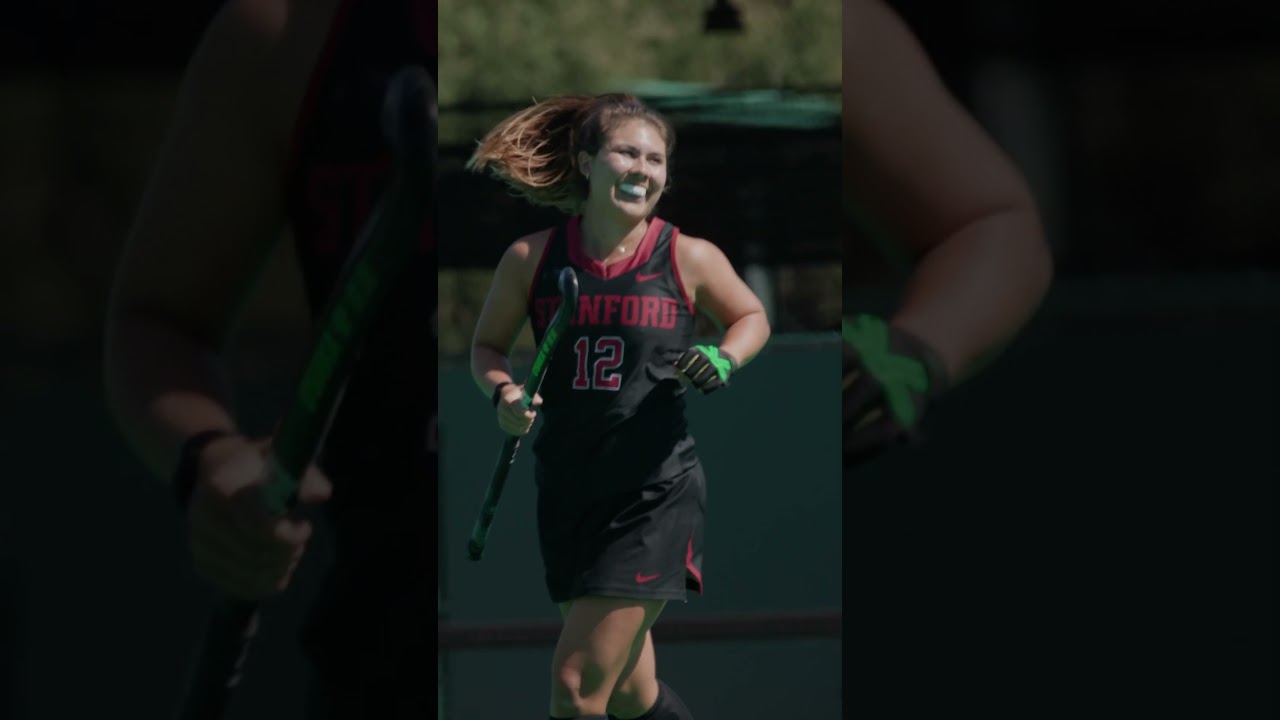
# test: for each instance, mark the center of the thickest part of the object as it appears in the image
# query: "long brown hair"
(535, 150)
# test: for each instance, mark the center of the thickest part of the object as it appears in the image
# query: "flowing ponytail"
(535, 151)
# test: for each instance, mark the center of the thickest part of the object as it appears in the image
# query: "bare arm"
(504, 314)
(942, 187)
(210, 215)
(717, 290)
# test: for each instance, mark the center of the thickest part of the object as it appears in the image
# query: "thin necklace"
(620, 250)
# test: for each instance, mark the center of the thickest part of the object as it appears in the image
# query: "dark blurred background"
(1089, 533)
(1089, 530)
(1144, 128)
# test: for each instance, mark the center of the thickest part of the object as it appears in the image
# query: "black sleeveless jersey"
(613, 409)
(340, 163)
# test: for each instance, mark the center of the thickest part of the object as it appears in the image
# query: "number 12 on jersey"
(597, 364)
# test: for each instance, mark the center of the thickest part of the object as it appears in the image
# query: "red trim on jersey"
(608, 272)
(675, 269)
(537, 272)
(688, 565)
(315, 84)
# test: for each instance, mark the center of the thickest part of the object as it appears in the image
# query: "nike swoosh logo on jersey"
(640, 277)
(646, 578)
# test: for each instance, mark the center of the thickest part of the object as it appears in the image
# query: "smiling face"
(629, 172)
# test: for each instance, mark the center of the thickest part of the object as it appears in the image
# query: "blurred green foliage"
(501, 51)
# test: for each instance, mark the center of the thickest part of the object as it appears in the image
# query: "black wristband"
(903, 341)
(497, 392)
(733, 361)
(184, 477)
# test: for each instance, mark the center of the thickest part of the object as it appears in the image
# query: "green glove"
(889, 380)
(706, 368)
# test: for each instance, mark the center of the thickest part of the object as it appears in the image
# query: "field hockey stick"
(568, 283)
(385, 246)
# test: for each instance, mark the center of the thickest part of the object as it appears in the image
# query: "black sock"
(669, 706)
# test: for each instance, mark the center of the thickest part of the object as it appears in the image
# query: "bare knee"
(578, 690)
(597, 650)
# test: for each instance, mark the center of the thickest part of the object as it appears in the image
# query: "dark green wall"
(773, 543)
